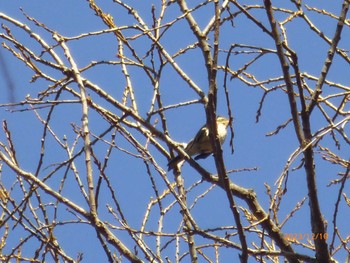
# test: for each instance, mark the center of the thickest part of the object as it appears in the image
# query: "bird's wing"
(193, 147)
(201, 134)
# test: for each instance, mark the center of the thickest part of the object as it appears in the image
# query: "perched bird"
(201, 145)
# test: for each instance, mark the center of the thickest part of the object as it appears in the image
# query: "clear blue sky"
(252, 147)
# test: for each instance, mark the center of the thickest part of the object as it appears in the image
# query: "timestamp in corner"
(305, 236)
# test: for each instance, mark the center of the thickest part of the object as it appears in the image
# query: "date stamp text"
(305, 236)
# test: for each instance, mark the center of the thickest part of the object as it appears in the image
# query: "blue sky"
(252, 147)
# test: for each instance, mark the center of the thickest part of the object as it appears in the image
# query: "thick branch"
(330, 55)
(85, 125)
(285, 69)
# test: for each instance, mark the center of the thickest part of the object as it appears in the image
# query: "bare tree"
(94, 127)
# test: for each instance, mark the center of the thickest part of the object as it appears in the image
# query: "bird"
(201, 145)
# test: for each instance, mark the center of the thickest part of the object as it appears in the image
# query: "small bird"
(201, 145)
